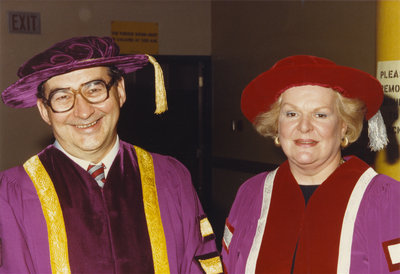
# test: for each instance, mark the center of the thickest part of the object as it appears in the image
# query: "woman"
(317, 212)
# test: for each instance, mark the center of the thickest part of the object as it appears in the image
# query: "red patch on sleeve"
(228, 234)
(388, 249)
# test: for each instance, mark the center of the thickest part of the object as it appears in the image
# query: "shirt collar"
(107, 160)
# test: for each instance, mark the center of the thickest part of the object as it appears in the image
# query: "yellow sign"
(388, 73)
(135, 37)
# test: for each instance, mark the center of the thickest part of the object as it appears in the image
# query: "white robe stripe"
(255, 248)
(346, 237)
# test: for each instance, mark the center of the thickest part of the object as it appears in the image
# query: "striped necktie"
(97, 172)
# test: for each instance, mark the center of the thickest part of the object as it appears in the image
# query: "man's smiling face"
(87, 131)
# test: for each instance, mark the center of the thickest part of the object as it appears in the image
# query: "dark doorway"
(184, 131)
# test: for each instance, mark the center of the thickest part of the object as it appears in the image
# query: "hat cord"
(160, 93)
(377, 132)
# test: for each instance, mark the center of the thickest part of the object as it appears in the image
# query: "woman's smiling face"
(309, 127)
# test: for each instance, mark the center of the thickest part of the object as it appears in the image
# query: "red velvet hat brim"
(265, 89)
(22, 94)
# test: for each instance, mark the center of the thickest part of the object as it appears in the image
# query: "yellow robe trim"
(51, 208)
(152, 212)
(212, 265)
(205, 227)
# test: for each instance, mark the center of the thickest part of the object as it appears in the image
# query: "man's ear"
(43, 110)
(121, 91)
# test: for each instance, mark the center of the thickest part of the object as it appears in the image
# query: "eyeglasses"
(94, 92)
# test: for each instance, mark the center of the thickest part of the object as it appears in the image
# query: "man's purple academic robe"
(106, 227)
(351, 224)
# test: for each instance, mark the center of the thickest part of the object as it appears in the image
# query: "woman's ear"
(344, 129)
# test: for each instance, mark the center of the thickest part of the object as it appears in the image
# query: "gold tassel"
(161, 94)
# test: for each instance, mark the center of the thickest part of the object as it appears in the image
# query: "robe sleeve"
(241, 224)
(376, 241)
(23, 234)
(190, 239)
(14, 253)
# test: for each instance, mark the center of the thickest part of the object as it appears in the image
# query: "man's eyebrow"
(81, 85)
(56, 89)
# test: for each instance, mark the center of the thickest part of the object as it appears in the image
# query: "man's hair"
(113, 72)
(351, 111)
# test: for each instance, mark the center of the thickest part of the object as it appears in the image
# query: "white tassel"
(377, 132)
(161, 93)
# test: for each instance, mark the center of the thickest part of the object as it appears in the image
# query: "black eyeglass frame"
(108, 86)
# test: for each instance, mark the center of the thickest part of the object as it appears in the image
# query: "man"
(91, 203)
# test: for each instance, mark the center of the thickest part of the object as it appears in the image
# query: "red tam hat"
(302, 70)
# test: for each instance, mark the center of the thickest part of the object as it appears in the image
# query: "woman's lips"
(305, 142)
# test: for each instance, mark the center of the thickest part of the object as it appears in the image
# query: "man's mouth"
(87, 125)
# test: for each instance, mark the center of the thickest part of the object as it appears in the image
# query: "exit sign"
(24, 22)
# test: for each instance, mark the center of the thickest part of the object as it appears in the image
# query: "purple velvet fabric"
(23, 228)
(378, 220)
(72, 54)
(106, 227)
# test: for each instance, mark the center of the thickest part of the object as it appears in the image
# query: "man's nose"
(82, 108)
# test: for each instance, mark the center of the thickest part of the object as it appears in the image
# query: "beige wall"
(184, 29)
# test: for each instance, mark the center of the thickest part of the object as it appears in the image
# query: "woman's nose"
(305, 124)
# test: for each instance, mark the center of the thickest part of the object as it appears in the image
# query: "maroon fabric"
(300, 70)
(65, 56)
(320, 236)
(314, 229)
(106, 227)
(284, 219)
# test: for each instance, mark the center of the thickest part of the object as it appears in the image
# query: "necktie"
(97, 172)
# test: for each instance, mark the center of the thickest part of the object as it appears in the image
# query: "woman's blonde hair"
(351, 111)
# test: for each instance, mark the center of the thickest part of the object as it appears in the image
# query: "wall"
(248, 40)
(184, 29)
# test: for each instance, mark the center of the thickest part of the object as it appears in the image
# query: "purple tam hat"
(66, 56)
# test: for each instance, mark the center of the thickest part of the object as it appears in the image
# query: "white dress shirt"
(107, 160)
